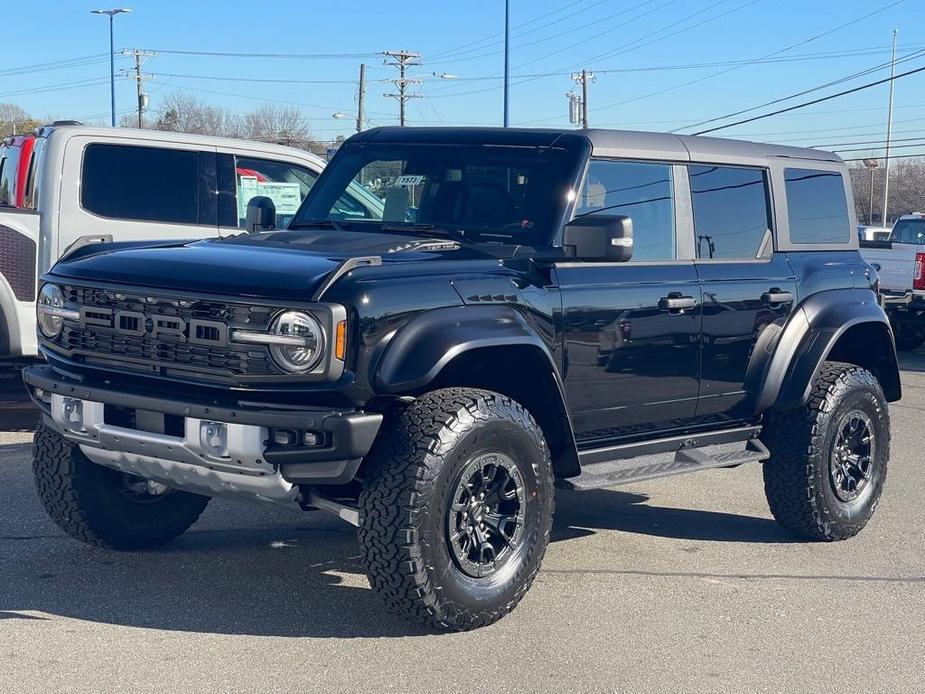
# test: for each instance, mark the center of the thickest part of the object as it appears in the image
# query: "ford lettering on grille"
(136, 324)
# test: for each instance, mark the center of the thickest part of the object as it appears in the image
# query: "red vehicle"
(15, 169)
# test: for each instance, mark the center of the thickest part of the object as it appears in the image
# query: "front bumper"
(182, 457)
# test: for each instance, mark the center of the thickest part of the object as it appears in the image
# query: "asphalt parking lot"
(674, 585)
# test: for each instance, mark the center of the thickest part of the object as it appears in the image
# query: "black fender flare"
(808, 338)
(429, 341)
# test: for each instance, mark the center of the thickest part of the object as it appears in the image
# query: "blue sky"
(620, 40)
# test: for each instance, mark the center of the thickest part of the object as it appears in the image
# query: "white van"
(123, 184)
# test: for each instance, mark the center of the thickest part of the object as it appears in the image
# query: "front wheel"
(456, 508)
(105, 507)
(829, 458)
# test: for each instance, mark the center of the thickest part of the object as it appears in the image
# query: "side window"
(731, 216)
(8, 177)
(285, 184)
(152, 184)
(816, 206)
(641, 191)
(29, 197)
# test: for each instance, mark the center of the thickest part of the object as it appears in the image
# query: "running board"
(621, 469)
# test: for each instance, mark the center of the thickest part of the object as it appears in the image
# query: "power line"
(768, 55)
(56, 64)
(297, 56)
(264, 80)
(867, 149)
(453, 53)
(817, 88)
(182, 88)
(559, 33)
(814, 101)
(56, 87)
(920, 155)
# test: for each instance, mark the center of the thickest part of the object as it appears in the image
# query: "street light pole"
(889, 137)
(507, 61)
(112, 57)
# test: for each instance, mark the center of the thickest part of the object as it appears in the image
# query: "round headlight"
(50, 325)
(302, 341)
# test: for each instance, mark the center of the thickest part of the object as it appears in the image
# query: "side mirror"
(599, 237)
(261, 214)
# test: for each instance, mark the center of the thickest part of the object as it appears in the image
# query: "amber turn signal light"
(340, 340)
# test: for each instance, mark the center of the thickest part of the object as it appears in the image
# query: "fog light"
(284, 437)
(213, 437)
(312, 438)
(73, 413)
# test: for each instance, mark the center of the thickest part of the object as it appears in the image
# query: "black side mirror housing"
(261, 214)
(600, 238)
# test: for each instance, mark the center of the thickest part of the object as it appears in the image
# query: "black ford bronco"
(531, 308)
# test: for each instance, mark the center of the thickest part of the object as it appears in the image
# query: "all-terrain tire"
(89, 501)
(413, 470)
(799, 483)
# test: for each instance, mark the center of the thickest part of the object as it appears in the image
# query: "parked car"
(873, 233)
(81, 184)
(428, 381)
(900, 262)
(15, 163)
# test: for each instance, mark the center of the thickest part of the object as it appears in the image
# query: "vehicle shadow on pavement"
(912, 361)
(251, 570)
(579, 514)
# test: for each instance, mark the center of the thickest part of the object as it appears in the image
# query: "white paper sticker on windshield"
(409, 180)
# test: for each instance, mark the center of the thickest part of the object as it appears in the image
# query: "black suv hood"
(271, 265)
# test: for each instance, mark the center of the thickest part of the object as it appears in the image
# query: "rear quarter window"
(816, 206)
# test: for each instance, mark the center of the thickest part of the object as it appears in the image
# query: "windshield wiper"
(423, 230)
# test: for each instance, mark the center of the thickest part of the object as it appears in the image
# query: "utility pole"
(140, 78)
(507, 62)
(582, 78)
(402, 60)
(889, 136)
(871, 165)
(361, 99)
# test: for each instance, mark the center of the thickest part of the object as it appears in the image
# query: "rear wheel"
(105, 507)
(829, 458)
(457, 508)
(908, 336)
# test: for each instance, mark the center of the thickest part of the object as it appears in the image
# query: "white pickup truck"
(85, 183)
(900, 262)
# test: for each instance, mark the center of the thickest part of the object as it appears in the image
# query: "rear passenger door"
(747, 286)
(632, 356)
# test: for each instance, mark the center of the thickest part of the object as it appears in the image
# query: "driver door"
(632, 357)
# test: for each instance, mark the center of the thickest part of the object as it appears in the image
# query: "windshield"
(500, 194)
(909, 231)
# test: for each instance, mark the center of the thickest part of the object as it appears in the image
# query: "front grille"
(166, 351)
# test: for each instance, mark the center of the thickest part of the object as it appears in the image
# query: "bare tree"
(907, 189)
(271, 123)
(14, 120)
(186, 114)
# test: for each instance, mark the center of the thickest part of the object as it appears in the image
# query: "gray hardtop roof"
(630, 144)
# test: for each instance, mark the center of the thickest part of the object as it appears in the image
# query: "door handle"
(676, 302)
(776, 296)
